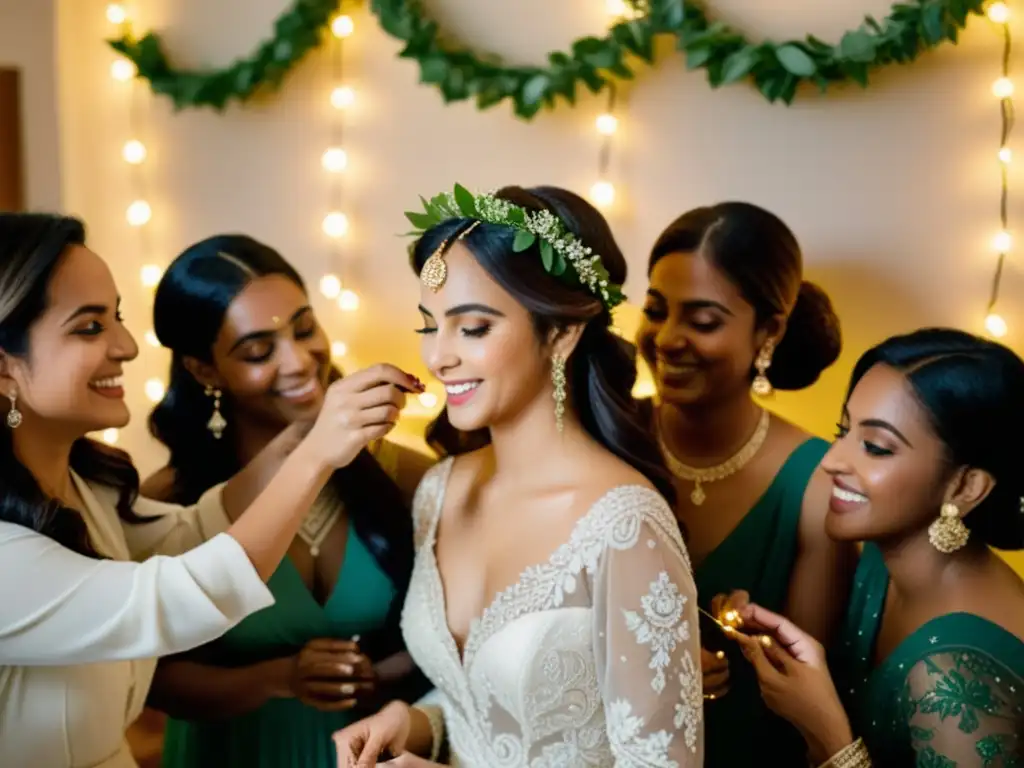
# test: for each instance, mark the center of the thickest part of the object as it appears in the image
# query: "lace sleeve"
(965, 708)
(646, 640)
(426, 501)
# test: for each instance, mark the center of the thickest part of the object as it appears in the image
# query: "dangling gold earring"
(217, 422)
(13, 415)
(948, 533)
(558, 379)
(761, 386)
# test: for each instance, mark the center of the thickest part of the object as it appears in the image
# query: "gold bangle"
(435, 716)
(851, 756)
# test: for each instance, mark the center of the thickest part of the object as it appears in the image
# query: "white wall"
(892, 191)
(27, 44)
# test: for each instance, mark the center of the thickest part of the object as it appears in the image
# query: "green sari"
(951, 694)
(758, 557)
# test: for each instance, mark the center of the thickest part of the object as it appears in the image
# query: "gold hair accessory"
(562, 254)
(699, 476)
(948, 533)
(435, 271)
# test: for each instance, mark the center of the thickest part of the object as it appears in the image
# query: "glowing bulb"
(134, 152)
(139, 213)
(1002, 88)
(151, 339)
(995, 325)
(1002, 242)
(342, 26)
(607, 124)
(335, 224)
(602, 193)
(110, 436)
(335, 160)
(330, 286)
(999, 13)
(116, 13)
(348, 301)
(616, 8)
(338, 349)
(342, 97)
(1005, 155)
(155, 390)
(428, 399)
(122, 70)
(151, 275)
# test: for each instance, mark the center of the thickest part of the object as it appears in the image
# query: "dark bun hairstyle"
(602, 369)
(760, 255)
(973, 392)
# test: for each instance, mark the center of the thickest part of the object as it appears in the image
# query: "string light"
(134, 152)
(109, 436)
(152, 339)
(343, 97)
(348, 301)
(428, 399)
(155, 390)
(116, 13)
(122, 70)
(335, 224)
(150, 275)
(335, 160)
(338, 349)
(139, 213)
(602, 193)
(330, 286)
(1002, 242)
(342, 26)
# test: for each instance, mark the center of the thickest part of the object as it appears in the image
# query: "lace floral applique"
(632, 750)
(690, 711)
(661, 626)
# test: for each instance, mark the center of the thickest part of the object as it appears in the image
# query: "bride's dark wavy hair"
(601, 371)
(31, 249)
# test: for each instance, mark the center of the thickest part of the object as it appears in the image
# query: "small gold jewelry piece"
(14, 418)
(761, 386)
(948, 533)
(276, 321)
(852, 756)
(559, 394)
(712, 474)
(435, 271)
(217, 422)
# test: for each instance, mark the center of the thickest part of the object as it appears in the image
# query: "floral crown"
(561, 252)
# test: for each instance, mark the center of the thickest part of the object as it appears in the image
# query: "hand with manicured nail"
(332, 675)
(794, 679)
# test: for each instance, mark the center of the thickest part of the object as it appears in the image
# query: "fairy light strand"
(607, 124)
(335, 162)
(1002, 89)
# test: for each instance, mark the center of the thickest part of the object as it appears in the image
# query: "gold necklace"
(730, 466)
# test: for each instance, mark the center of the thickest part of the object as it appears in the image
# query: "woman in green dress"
(249, 358)
(727, 316)
(927, 470)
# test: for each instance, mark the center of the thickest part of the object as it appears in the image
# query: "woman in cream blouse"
(81, 625)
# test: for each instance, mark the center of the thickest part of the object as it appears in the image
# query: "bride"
(552, 602)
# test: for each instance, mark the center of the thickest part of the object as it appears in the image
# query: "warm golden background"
(893, 191)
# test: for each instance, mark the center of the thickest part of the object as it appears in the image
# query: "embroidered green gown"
(758, 556)
(950, 695)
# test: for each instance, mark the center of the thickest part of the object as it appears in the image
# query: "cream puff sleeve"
(58, 607)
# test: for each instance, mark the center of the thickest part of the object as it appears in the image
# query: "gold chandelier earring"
(948, 533)
(13, 415)
(761, 386)
(217, 422)
(559, 394)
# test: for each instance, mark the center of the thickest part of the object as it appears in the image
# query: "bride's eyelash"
(478, 332)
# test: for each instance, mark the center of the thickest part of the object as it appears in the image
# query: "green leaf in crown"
(562, 254)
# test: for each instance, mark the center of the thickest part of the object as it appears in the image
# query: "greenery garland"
(777, 69)
(297, 31)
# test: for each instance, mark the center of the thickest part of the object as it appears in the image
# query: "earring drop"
(948, 533)
(558, 380)
(14, 415)
(217, 422)
(761, 386)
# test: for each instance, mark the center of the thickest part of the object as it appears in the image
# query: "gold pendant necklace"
(730, 466)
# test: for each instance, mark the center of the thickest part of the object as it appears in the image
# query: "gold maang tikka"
(435, 271)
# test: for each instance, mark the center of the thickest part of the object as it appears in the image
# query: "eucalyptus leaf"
(523, 241)
(547, 255)
(796, 61)
(739, 64)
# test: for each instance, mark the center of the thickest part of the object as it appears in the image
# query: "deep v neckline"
(464, 656)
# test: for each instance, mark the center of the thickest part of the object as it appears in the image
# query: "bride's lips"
(459, 392)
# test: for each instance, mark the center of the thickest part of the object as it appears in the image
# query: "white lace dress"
(590, 660)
